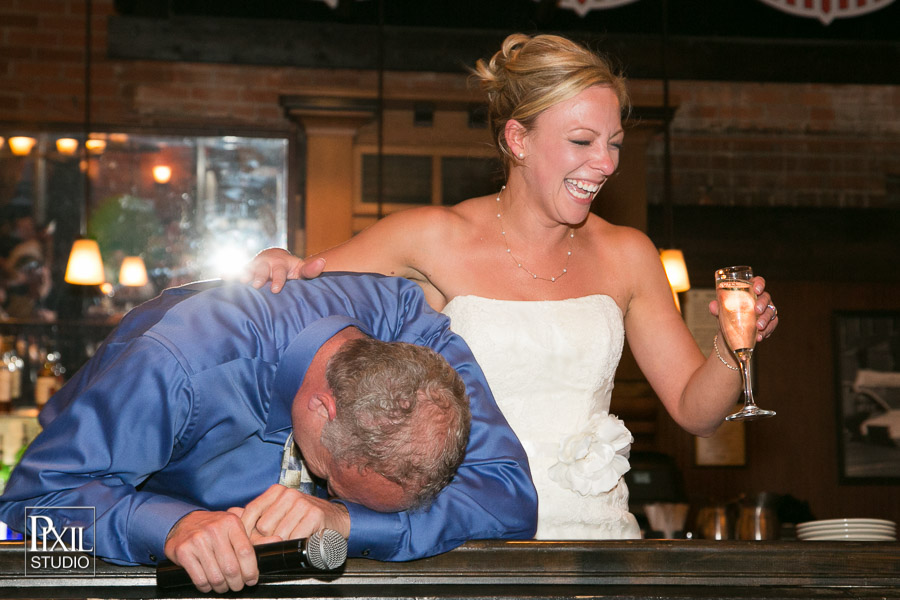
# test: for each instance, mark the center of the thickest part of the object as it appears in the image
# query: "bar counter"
(634, 569)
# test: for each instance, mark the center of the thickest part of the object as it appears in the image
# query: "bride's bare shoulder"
(627, 244)
(441, 215)
(443, 220)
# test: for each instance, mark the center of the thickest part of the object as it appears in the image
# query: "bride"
(545, 292)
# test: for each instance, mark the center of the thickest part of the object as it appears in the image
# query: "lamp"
(95, 146)
(67, 145)
(21, 145)
(672, 259)
(85, 267)
(676, 270)
(162, 173)
(133, 273)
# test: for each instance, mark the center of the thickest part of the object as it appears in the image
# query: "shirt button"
(152, 558)
(366, 552)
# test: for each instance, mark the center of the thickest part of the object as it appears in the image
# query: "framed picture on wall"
(728, 446)
(867, 372)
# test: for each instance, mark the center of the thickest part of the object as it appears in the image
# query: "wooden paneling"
(493, 569)
(353, 46)
(787, 243)
(795, 452)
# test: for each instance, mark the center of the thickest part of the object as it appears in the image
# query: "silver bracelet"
(724, 362)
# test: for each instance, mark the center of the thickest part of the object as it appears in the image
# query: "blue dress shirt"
(187, 406)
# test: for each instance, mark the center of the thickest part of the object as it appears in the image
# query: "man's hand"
(278, 265)
(288, 514)
(214, 549)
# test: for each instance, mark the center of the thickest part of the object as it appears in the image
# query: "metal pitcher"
(716, 522)
(758, 518)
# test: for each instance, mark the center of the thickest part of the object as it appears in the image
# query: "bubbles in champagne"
(737, 302)
(737, 313)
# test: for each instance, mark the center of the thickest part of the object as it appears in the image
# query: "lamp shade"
(21, 145)
(95, 146)
(133, 273)
(67, 145)
(676, 270)
(85, 267)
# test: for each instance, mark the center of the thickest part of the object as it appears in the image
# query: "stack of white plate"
(869, 530)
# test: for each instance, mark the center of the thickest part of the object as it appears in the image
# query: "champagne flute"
(737, 320)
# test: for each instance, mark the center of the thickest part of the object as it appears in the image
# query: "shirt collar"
(295, 361)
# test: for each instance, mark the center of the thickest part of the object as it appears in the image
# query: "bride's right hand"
(278, 265)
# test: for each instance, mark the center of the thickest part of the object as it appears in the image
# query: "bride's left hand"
(768, 314)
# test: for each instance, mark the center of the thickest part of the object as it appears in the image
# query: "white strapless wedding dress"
(551, 365)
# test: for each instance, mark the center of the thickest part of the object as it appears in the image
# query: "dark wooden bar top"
(653, 569)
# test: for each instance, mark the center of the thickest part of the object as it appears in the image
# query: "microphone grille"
(326, 549)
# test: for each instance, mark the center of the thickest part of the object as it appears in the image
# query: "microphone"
(322, 552)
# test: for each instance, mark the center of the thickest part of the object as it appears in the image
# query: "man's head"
(399, 427)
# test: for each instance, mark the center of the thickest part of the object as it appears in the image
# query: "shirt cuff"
(373, 534)
(151, 524)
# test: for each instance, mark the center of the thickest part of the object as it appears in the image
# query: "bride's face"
(572, 150)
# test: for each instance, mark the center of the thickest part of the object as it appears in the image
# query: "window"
(216, 202)
(422, 176)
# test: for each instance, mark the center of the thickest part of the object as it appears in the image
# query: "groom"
(181, 420)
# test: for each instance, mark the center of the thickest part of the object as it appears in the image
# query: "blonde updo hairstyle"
(529, 74)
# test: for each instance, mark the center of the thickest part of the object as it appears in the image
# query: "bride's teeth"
(587, 187)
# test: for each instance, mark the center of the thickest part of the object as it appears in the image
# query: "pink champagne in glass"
(737, 320)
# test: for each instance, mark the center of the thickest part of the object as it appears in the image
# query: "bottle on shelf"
(6, 379)
(34, 355)
(16, 366)
(49, 378)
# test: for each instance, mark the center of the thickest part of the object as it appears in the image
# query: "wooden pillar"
(331, 125)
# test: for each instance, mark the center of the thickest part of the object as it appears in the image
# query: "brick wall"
(803, 145)
(732, 143)
(42, 78)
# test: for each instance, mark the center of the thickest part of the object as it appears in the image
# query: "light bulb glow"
(67, 145)
(133, 273)
(95, 146)
(162, 173)
(85, 267)
(21, 145)
(676, 270)
(226, 260)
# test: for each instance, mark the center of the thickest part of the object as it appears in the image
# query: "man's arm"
(117, 423)
(288, 514)
(492, 495)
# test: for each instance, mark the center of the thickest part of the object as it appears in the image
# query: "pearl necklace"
(518, 262)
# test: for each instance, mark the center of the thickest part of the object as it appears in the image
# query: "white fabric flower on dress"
(592, 460)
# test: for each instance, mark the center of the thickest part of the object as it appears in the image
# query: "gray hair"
(402, 411)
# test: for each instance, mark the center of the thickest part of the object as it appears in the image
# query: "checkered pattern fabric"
(293, 470)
